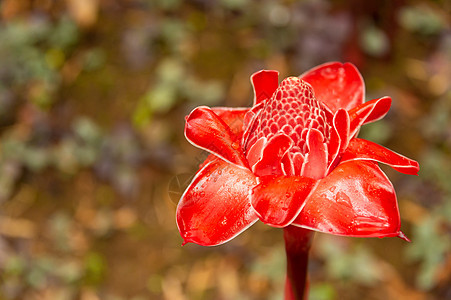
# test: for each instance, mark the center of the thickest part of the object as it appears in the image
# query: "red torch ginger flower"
(292, 159)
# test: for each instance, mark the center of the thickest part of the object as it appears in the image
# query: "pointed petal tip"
(264, 82)
(402, 236)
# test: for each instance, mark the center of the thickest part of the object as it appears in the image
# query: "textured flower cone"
(293, 161)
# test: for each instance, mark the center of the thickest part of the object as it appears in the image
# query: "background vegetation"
(93, 95)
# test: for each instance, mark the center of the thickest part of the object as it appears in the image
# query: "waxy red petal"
(270, 162)
(339, 137)
(315, 163)
(216, 207)
(206, 130)
(255, 153)
(233, 117)
(360, 149)
(336, 84)
(279, 199)
(264, 82)
(368, 112)
(250, 123)
(355, 199)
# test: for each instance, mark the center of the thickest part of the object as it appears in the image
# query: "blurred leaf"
(430, 247)
(357, 264)
(55, 58)
(87, 130)
(235, 4)
(141, 114)
(69, 271)
(374, 41)
(95, 268)
(167, 4)
(203, 93)
(64, 34)
(161, 98)
(323, 291)
(15, 265)
(94, 59)
(378, 132)
(36, 159)
(422, 19)
(59, 227)
(171, 72)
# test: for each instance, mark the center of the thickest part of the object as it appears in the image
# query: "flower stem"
(297, 246)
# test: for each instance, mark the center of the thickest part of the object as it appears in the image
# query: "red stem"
(297, 246)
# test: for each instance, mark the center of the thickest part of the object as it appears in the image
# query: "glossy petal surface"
(315, 164)
(233, 117)
(279, 199)
(270, 162)
(355, 199)
(216, 207)
(206, 130)
(339, 138)
(360, 149)
(368, 112)
(336, 84)
(264, 82)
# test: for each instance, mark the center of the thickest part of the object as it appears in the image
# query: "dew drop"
(202, 194)
(288, 195)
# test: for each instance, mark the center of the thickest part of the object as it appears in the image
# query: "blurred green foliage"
(93, 96)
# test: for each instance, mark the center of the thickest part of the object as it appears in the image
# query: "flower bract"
(293, 158)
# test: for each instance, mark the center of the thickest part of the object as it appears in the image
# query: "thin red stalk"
(297, 246)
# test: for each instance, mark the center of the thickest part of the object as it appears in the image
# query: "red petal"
(250, 123)
(368, 112)
(255, 153)
(315, 163)
(339, 137)
(265, 82)
(360, 149)
(233, 117)
(356, 199)
(279, 199)
(287, 164)
(206, 130)
(270, 162)
(216, 207)
(336, 84)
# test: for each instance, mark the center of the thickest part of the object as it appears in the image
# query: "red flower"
(292, 158)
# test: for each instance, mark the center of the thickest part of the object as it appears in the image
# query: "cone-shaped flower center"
(292, 110)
